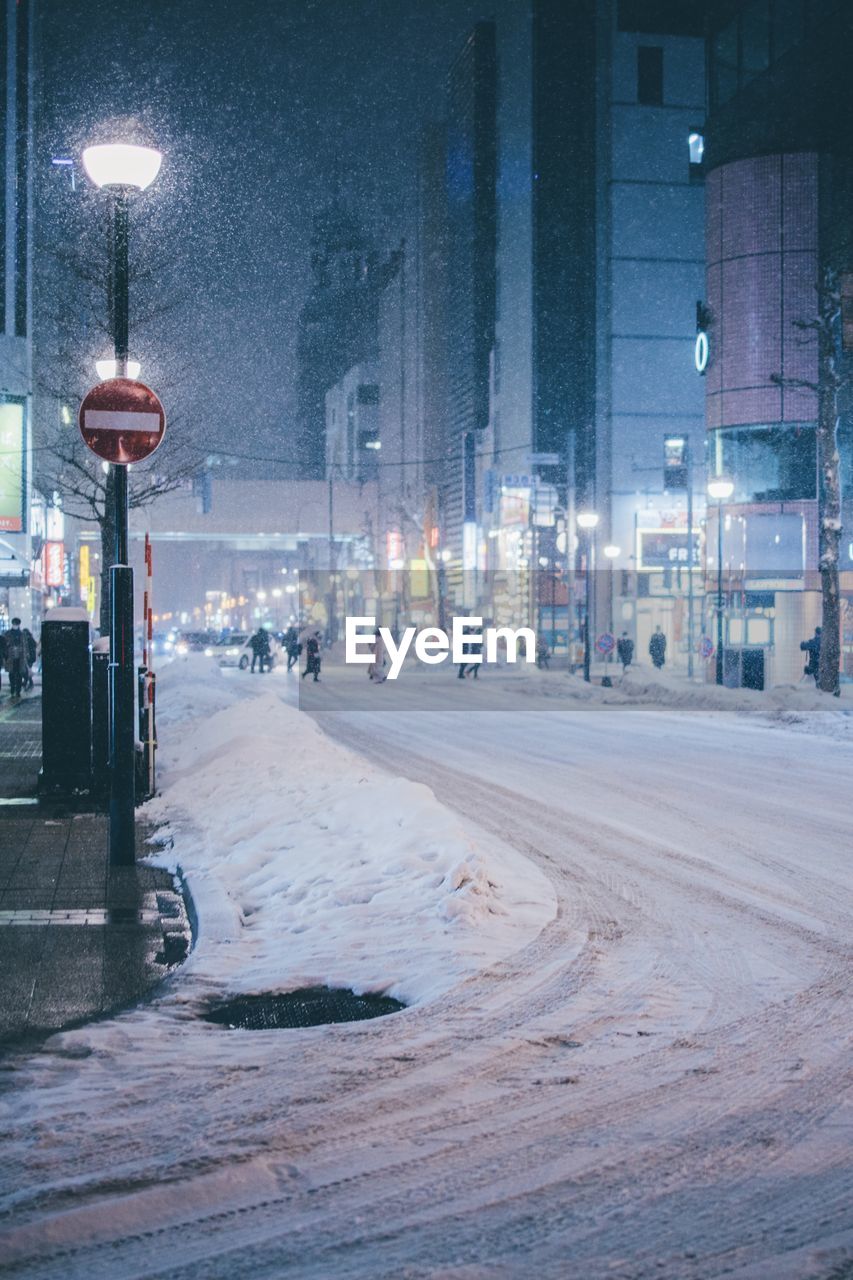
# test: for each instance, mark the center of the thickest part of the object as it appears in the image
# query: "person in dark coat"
(292, 646)
(260, 643)
(625, 650)
(657, 647)
(312, 657)
(812, 648)
(32, 654)
(15, 657)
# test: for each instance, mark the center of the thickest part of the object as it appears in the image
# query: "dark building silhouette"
(337, 324)
(471, 159)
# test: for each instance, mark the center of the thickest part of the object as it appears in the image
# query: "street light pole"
(121, 168)
(587, 520)
(611, 551)
(689, 469)
(720, 592)
(720, 488)
(122, 731)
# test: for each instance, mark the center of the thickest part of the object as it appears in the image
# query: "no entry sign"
(122, 420)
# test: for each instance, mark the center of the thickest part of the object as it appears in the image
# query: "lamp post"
(587, 520)
(720, 488)
(121, 169)
(611, 552)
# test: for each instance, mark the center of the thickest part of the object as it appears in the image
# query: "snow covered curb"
(307, 865)
(797, 707)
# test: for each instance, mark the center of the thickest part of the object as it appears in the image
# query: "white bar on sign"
(120, 420)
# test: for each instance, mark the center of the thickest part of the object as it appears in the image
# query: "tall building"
(779, 160)
(337, 325)
(471, 154)
(16, 114)
(600, 268)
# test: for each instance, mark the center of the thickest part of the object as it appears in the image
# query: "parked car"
(236, 651)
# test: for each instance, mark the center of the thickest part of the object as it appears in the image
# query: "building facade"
(337, 325)
(600, 267)
(16, 118)
(779, 212)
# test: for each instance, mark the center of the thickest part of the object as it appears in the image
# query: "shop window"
(650, 75)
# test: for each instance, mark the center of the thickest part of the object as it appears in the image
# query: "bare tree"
(74, 305)
(829, 383)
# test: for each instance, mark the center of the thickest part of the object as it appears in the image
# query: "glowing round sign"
(701, 351)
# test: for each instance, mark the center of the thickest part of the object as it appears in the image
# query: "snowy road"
(658, 1085)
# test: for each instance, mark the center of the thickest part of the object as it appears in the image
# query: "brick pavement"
(77, 938)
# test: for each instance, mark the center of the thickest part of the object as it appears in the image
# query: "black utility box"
(66, 701)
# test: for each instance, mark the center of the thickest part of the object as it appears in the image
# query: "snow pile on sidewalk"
(794, 706)
(309, 866)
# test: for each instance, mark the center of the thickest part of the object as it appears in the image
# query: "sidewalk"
(77, 939)
(20, 743)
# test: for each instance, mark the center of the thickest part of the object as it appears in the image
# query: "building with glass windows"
(16, 303)
(779, 188)
(600, 253)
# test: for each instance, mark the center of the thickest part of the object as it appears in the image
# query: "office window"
(650, 75)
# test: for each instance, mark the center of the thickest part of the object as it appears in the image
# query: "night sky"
(260, 109)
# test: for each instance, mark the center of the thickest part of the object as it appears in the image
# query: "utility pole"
(689, 467)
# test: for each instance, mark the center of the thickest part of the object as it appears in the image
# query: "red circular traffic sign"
(121, 420)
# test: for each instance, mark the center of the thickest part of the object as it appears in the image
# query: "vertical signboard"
(12, 462)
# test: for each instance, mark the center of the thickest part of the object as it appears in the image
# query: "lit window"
(696, 146)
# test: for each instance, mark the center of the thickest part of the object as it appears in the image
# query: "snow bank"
(794, 706)
(308, 865)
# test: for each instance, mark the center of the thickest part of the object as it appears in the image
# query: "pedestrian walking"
(625, 650)
(812, 648)
(470, 641)
(312, 657)
(32, 653)
(543, 653)
(657, 647)
(376, 670)
(260, 645)
(292, 646)
(15, 658)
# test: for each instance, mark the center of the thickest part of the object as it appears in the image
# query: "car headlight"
(181, 648)
(208, 653)
(232, 653)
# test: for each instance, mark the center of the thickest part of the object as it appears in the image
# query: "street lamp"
(109, 369)
(611, 551)
(720, 488)
(121, 168)
(587, 520)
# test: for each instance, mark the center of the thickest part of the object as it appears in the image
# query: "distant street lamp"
(588, 520)
(109, 369)
(720, 489)
(121, 168)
